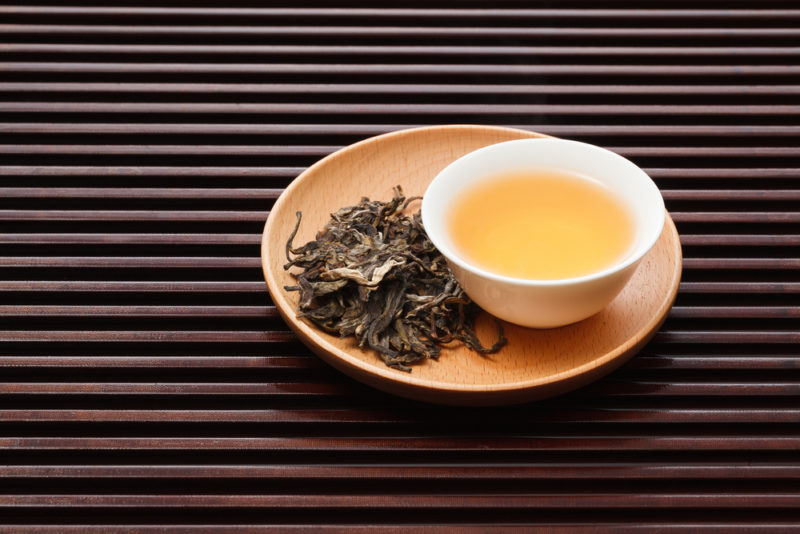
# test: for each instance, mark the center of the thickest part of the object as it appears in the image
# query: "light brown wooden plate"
(535, 363)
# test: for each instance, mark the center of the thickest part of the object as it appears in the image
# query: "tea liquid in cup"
(540, 224)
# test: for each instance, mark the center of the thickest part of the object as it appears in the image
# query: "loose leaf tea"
(372, 273)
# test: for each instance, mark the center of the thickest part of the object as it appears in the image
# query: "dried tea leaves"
(372, 273)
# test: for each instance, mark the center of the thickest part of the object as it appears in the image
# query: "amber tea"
(540, 225)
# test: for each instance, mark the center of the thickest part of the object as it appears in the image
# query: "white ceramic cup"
(545, 303)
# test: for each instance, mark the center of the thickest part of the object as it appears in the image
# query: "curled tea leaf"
(372, 273)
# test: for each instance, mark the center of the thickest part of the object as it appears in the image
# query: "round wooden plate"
(535, 363)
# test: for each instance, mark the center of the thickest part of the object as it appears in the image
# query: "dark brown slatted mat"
(147, 383)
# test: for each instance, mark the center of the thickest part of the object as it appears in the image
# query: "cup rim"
(452, 256)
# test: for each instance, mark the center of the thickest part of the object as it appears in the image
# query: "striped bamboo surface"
(147, 383)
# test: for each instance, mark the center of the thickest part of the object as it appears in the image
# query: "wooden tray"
(535, 363)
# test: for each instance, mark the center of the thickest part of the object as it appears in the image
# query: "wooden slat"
(383, 418)
(740, 240)
(740, 287)
(610, 388)
(724, 173)
(732, 194)
(745, 362)
(375, 129)
(704, 389)
(432, 471)
(228, 150)
(399, 89)
(546, 443)
(481, 14)
(131, 287)
(393, 109)
(711, 151)
(736, 217)
(746, 264)
(417, 51)
(740, 312)
(641, 362)
(160, 336)
(424, 32)
(583, 70)
(138, 311)
(399, 527)
(176, 362)
(700, 336)
(110, 388)
(134, 171)
(402, 502)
